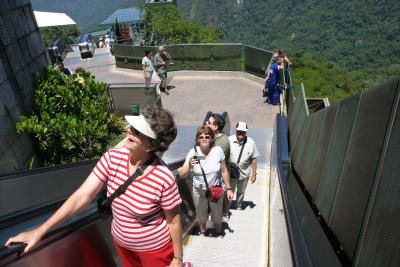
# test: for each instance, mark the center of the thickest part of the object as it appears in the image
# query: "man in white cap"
(161, 62)
(243, 158)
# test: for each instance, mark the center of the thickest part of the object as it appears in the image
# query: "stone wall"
(22, 53)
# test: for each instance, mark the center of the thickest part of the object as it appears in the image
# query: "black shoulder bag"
(234, 172)
(104, 202)
(213, 193)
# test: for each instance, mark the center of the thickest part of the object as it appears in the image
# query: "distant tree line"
(68, 32)
(164, 25)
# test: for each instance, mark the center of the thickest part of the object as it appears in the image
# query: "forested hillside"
(355, 34)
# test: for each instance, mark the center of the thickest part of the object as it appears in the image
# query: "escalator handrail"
(21, 173)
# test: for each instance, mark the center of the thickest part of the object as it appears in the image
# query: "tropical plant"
(70, 121)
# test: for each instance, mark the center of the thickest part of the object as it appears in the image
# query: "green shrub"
(70, 121)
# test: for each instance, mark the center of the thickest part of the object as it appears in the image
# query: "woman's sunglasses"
(206, 137)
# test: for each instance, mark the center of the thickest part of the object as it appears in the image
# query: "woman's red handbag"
(216, 192)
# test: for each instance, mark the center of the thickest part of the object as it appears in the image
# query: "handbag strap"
(122, 188)
(241, 151)
(202, 171)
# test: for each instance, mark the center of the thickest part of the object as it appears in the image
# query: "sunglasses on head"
(206, 137)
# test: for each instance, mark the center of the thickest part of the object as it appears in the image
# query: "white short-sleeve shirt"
(148, 64)
(211, 166)
(250, 152)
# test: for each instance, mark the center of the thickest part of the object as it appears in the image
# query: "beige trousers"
(241, 188)
(201, 204)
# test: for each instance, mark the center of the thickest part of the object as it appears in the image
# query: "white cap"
(161, 48)
(139, 123)
(241, 126)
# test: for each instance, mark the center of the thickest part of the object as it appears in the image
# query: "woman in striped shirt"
(146, 225)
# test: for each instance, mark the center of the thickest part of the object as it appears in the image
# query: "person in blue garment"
(273, 92)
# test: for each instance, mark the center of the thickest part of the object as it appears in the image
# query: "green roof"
(99, 33)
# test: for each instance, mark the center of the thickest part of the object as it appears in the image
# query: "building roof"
(160, 1)
(48, 19)
(99, 33)
(124, 15)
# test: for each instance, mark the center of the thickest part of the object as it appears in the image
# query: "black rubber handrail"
(15, 174)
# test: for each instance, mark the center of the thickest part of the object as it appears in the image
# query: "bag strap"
(202, 171)
(122, 188)
(241, 151)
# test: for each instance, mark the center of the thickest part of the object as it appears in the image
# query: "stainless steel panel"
(90, 246)
(123, 96)
(256, 60)
(360, 166)
(197, 57)
(19, 192)
(226, 57)
(318, 247)
(336, 155)
(379, 243)
(317, 144)
(297, 120)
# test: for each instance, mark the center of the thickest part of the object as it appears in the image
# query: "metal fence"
(219, 57)
(124, 96)
(347, 156)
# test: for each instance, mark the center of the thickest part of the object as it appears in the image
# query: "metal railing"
(125, 95)
(218, 57)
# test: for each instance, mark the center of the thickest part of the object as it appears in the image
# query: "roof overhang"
(125, 15)
(49, 19)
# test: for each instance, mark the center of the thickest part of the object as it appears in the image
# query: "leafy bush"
(164, 25)
(70, 121)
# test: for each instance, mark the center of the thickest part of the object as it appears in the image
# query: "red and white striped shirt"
(138, 220)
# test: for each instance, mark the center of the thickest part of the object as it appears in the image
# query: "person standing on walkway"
(206, 163)
(161, 62)
(244, 155)
(271, 82)
(217, 123)
(284, 58)
(148, 67)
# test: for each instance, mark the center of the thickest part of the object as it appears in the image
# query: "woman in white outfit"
(148, 67)
(212, 160)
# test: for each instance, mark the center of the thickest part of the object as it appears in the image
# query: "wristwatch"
(179, 257)
(230, 188)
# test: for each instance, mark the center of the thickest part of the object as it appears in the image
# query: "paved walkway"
(194, 92)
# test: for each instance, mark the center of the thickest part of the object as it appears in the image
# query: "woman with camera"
(146, 225)
(206, 163)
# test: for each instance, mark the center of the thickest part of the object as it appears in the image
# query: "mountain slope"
(356, 34)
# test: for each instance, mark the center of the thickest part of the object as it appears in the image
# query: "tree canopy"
(49, 34)
(164, 25)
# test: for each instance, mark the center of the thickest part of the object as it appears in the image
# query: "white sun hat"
(139, 123)
(241, 126)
